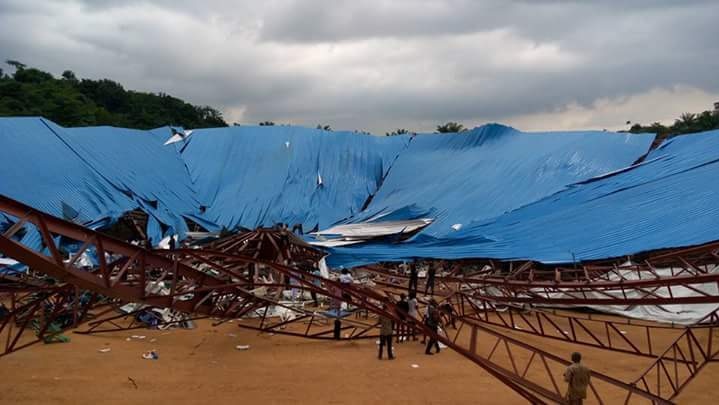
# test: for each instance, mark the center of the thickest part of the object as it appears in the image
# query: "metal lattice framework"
(493, 306)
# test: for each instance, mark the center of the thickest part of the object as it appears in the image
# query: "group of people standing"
(408, 314)
(413, 273)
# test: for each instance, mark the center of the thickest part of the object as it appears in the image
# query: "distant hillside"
(73, 102)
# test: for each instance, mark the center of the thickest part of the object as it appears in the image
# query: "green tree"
(69, 75)
(17, 65)
(450, 127)
(399, 131)
(72, 102)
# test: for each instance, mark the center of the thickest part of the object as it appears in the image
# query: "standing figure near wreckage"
(577, 377)
(413, 316)
(413, 278)
(402, 313)
(385, 335)
(431, 272)
(432, 323)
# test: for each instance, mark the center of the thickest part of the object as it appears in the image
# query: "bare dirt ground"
(203, 366)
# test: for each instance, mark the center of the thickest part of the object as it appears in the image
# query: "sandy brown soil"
(202, 365)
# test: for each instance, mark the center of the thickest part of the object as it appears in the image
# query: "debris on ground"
(104, 350)
(150, 355)
(242, 347)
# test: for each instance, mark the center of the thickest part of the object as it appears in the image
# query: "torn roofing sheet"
(39, 168)
(260, 175)
(670, 200)
(251, 176)
(479, 174)
(143, 168)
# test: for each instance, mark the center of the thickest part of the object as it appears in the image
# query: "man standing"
(413, 277)
(577, 377)
(402, 311)
(413, 316)
(430, 279)
(432, 323)
(385, 336)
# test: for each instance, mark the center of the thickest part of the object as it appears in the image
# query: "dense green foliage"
(398, 131)
(687, 123)
(450, 128)
(72, 102)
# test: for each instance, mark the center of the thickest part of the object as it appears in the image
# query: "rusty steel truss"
(255, 276)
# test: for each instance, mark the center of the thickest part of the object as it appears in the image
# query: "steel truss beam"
(211, 283)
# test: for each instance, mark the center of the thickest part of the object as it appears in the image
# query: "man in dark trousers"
(447, 310)
(171, 243)
(413, 277)
(402, 311)
(385, 336)
(432, 323)
(430, 279)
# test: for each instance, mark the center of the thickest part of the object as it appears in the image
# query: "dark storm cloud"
(383, 64)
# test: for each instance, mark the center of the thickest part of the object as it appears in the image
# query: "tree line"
(74, 102)
(687, 123)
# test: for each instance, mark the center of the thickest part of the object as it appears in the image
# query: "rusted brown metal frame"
(542, 292)
(94, 326)
(359, 297)
(32, 306)
(547, 325)
(517, 377)
(371, 300)
(509, 353)
(680, 363)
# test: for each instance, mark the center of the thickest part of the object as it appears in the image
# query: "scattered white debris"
(457, 227)
(128, 339)
(415, 366)
(153, 340)
(242, 347)
(105, 350)
(623, 332)
(287, 144)
(151, 355)
(232, 335)
(138, 337)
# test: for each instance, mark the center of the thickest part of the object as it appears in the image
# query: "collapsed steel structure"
(494, 308)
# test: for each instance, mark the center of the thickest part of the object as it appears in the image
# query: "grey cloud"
(374, 64)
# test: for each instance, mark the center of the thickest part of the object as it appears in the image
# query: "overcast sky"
(377, 65)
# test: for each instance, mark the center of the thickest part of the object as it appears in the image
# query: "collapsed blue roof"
(492, 192)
